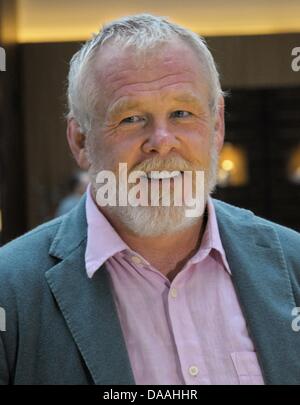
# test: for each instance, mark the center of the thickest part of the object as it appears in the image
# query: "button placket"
(173, 292)
(181, 322)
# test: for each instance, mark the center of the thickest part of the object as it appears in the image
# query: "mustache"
(169, 164)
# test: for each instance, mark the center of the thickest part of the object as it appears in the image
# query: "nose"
(161, 140)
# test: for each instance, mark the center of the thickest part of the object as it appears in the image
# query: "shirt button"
(136, 260)
(173, 292)
(193, 371)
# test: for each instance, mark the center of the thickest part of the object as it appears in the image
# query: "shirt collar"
(211, 238)
(104, 242)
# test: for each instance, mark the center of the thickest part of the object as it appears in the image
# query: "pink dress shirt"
(188, 331)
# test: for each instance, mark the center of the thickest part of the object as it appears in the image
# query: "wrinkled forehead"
(120, 68)
(115, 64)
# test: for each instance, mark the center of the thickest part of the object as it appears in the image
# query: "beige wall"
(70, 20)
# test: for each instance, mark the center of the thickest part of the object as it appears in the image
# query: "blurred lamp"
(294, 166)
(232, 166)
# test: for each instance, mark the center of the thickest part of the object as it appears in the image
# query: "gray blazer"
(63, 328)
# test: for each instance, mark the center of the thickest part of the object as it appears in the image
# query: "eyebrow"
(187, 98)
(123, 105)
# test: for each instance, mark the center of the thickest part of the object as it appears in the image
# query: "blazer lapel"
(87, 304)
(263, 285)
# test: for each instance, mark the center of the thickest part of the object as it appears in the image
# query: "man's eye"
(132, 120)
(181, 114)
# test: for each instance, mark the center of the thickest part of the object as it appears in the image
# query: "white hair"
(143, 31)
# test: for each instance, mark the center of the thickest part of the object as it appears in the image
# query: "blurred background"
(252, 43)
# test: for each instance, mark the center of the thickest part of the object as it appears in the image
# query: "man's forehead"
(113, 58)
(125, 72)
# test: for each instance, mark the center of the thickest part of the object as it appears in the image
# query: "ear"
(77, 143)
(219, 127)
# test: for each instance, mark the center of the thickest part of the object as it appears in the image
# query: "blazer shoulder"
(235, 213)
(28, 251)
(245, 214)
(289, 239)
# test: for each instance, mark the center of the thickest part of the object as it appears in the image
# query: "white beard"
(161, 220)
(153, 221)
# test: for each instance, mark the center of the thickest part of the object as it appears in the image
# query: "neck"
(167, 253)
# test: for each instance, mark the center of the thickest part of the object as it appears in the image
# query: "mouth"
(163, 174)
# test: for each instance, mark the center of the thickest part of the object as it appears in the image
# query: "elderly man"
(146, 294)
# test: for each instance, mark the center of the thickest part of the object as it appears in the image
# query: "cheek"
(107, 153)
(125, 147)
(199, 145)
(98, 155)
